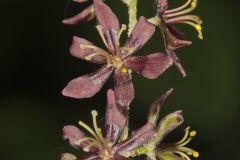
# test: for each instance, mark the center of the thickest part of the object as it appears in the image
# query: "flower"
(167, 18)
(86, 15)
(117, 59)
(105, 147)
(145, 141)
(155, 149)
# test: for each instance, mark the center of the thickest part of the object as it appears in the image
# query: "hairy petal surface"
(88, 85)
(151, 66)
(80, 52)
(109, 22)
(142, 32)
(140, 137)
(74, 134)
(86, 15)
(155, 108)
(123, 88)
(115, 119)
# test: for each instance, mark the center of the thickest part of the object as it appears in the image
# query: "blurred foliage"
(35, 65)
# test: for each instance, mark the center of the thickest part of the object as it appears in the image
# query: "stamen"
(99, 29)
(193, 133)
(198, 27)
(87, 148)
(123, 28)
(195, 154)
(182, 154)
(184, 137)
(88, 129)
(124, 70)
(193, 6)
(85, 46)
(193, 18)
(97, 130)
(179, 8)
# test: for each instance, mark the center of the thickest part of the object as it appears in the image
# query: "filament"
(179, 8)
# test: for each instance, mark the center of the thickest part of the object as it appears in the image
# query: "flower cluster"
(115, 142)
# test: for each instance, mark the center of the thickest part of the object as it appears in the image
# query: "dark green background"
(35, 65)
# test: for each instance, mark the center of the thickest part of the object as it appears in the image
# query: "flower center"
(105, 147)
(112, 60)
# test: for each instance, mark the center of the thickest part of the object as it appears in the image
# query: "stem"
(132, 12)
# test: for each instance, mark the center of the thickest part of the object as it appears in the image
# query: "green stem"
(132, 12)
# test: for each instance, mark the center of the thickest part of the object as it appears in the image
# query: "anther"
(195, 154)
(124, 70)
(193, 133)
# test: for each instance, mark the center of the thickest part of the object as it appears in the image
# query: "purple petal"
(123, 88)
(142, 32)
(177, 62)
(86, 15)
(115, 119)
(173, 37)
(109, 22)
(156, 107)
(142, 136)
(151, 66)
(88, 85)
(74, 134)
(79, 52)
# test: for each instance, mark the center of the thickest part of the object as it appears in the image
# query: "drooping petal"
(115, 119)
(168, 124)
(177, 62)
(123, 88)
(68, 156)
(109, 23)
(142, 32)
(75, 135)
(155, 108)
(140, 137)
(174, 38)
(86, 15)
(78, 50)
(151, 66)
(88, 85)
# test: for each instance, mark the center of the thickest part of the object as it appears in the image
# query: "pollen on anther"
(193, 133)
(194, 4)
(124, 70)
(195, 154)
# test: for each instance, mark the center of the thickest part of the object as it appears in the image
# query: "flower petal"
(177, 62)
(74, 134)
(115, 119)
(123, 88)
(86, 15)
(167, 125)
(141, 136)
(109, 22)
(88, 85)
(155, 108)
(173, 37)
(68, 156)
(77, 51)
(142, 32)
(151, 66)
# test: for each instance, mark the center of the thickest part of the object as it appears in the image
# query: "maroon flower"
(174, 37)
(86, 15)
(106, 147)
(144, 141)
(117, 59)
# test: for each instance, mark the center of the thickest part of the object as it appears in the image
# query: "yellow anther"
(195, 154)
(193, 133)
(94, 113)
(198, 27)
(124, 70)
(194, 4)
